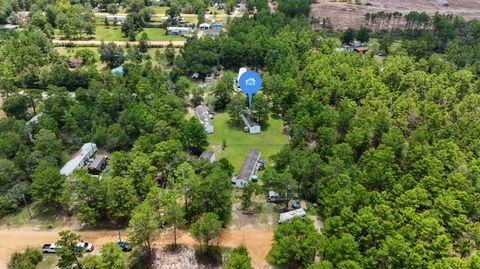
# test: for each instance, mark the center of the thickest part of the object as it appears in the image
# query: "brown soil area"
(258, 241)
(345, 15)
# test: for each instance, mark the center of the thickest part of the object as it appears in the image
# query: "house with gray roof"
(248, 170)
(204, 118)
(251, 126)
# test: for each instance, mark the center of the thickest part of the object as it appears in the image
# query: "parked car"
(126, 247)
(87, 246)
(50, 248)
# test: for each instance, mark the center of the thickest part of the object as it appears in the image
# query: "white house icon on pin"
(250, 82)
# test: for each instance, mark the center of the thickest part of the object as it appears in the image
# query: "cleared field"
(269, 141)
(344, 15)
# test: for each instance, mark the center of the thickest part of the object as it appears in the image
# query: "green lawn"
(159, 10)
(114, 33)
(269, 141)
(109, 33)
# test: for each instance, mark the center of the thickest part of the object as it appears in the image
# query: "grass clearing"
(49, 261)
(269, 141)
(22, 217)
(114, 33)
(159, 10)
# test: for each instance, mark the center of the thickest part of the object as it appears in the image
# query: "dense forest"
(386, 148)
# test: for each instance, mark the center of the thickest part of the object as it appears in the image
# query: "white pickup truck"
(50, 248)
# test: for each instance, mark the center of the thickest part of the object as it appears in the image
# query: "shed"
(204, 118)
(208, 155)
(251, 125)
(248, 169)
(96, 167)
(80, 158)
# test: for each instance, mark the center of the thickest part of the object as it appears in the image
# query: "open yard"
(114, 33)
(269, 141)
(344, 15)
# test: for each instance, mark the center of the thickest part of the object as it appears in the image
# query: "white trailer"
(297, 213)
(79, 159)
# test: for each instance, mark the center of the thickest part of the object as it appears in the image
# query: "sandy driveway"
(258, 241)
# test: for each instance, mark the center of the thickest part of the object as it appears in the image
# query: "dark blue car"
(125, 246)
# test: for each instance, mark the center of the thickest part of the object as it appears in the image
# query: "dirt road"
(257, 241)
(57, 43)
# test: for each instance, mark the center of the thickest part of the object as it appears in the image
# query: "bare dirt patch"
(2, 113)
(344, 15)
(183, 257)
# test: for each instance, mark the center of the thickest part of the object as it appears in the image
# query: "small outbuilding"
(204, 118)
(248, 170)
(208, 155)
(96, 167)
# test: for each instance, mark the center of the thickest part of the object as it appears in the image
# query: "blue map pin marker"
(250, 82)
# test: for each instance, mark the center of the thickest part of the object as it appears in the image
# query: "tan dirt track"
(258, 241)
(344, 15)
(57, 42)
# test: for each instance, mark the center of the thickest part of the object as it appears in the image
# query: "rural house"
(208, 155)
(120, 18)
(79, 159)
(182, 31)
(204, 118)
(248, 170)
(251, 125)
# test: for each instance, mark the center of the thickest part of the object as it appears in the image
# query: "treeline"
(396, 21)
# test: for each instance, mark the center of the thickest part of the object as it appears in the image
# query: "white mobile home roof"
(249, 165)
(292, 214)
(87, 150)
(203, 115)
(240, 72)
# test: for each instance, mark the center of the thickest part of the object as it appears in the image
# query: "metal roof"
(248, 120)
(79, 158)
(98, 162)
(203, 115)
(207, 155)
(249, 165)
(292, 214)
